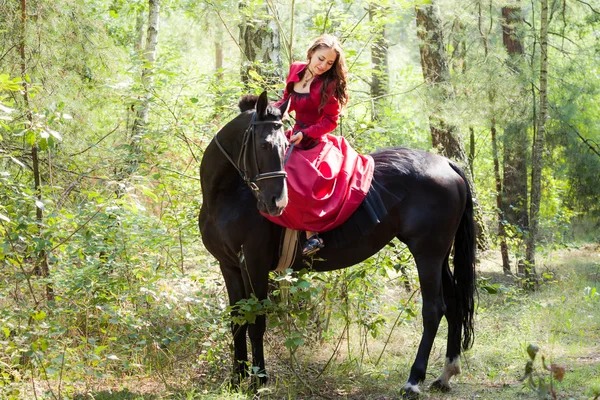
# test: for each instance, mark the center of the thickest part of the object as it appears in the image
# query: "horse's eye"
(264, 145)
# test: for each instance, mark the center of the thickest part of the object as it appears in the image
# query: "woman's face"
(322, 60)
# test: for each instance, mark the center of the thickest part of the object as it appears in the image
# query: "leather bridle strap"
(242, 156)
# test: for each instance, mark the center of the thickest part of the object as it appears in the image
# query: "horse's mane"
(247, 102)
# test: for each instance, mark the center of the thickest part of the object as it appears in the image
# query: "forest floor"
(562, 317)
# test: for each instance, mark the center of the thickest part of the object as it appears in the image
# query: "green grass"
(560, 317)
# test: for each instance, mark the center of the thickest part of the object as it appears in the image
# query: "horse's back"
(433, 192)
(415, 172)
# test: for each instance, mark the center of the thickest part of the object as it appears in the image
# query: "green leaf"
(303, 284)
(254, 75)
(40, 315)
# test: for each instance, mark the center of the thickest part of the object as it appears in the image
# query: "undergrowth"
(346, 334)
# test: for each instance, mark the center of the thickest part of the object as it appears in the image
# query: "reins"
(243, 158)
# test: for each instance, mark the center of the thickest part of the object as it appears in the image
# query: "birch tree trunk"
(379, 62)
(261, 45)
(444, 136)
(141, 118)
(537, 162)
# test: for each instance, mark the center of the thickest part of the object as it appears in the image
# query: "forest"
(107, 106)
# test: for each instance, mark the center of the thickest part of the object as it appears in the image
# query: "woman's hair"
(337, 73)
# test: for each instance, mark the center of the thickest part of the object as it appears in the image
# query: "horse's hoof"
(440, 386)
(410, 392)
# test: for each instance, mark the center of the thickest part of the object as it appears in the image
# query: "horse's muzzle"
(272, 204)
(273, 211)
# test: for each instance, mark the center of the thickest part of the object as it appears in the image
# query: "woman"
(327, 179)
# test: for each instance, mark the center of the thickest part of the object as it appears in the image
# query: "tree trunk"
(141, 118)
(259, 40)
(514, 190)
(501, 231)
(139, 30)
(471, 149)
(436, 73)
(491, 97)
(220, 99)
(444, 136)
(219, 52)
(41, 267)
(379, 62)
(515, 140)
(537, 162)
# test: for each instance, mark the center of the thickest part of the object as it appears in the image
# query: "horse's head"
(262, 157)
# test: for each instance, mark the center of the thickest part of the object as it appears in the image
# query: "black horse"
(242, 172)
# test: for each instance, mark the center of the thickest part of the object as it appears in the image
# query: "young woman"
(327, 179)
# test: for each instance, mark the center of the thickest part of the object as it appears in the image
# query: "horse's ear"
(261, 104)
(284, 107)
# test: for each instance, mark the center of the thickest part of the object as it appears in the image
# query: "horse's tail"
(464, 265)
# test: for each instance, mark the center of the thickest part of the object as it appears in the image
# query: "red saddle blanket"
(326, 184)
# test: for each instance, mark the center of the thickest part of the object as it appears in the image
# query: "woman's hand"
(296, 138)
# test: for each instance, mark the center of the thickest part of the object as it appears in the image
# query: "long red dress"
(327, 179)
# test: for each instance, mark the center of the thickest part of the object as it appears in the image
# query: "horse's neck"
(217, 172)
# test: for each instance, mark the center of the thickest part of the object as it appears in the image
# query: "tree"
(41, 268)
(379, 60)
(514, 202)
(492, 91)
(537, 161)
(434, 62)
(260, 44)
(141, 117)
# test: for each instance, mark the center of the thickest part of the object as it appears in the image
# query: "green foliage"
(133, 292)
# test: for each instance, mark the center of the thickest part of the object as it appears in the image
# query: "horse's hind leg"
(429, 267)
(452, 365)
(236, 292)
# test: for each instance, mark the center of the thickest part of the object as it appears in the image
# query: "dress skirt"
(326, 185)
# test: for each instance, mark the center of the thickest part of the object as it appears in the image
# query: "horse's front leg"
(236, 292)
(255, 272)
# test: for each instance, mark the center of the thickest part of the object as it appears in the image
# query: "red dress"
(327, 179)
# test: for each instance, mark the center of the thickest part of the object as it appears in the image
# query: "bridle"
(243, 156)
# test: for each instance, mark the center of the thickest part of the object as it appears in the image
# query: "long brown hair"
(337, 73)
